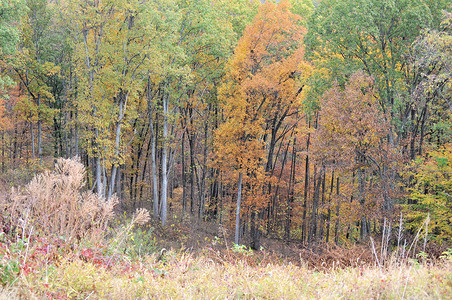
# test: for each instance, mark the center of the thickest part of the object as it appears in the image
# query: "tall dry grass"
(54, 203)
(184, 276)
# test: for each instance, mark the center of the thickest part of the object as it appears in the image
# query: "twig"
(383, 238)
(28, 245)
(399, 236)
(89, 295)
(375, 252)
(416, 238)
(426, 230)
(406, 282)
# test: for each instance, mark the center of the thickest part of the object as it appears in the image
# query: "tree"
(428, 176)
(259, 92)
(110, 40)
(34, 67)
(431, 68)
(431, 193)
(352, 138)
(10, 12)
(375, 36)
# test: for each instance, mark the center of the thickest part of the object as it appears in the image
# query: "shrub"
(54, 204)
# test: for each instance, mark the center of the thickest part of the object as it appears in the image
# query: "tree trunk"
(122, 99)
(39, 130)
(336, 229)
(99, 184)
(155, 192)
(322, 215)
(254, 231)
(361, 184)
(119, 183)
(315, 204)
(304, 228)
(202, 194)
(32, 141)
(184, 175)
(290, 195)
(328, 225)
(163, 201)
(3, 152)
(77, 153)
(237, 214)
(191, 140)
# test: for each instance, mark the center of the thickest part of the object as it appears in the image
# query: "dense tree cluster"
(288, 119)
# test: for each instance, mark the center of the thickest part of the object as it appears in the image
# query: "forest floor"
(187, 259)
(212, 268)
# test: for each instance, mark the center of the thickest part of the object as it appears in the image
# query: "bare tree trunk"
(32, 140)
(99, 184)
(328, 225)
(361, 184)
(122, 100)
(191, 141)
(163, 214)
(3, 152)
(119, 183)
(143, 173)
(77, 153)
(315, 204)
(304, 229)
(15, 154)
(322, 215)
(155, 191)
(336, 229)
(202, 194)
(184, 176)
(39, 130)
(237, 214)
(290, 195)
(254, 231)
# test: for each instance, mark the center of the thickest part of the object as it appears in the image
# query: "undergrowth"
(60, 242)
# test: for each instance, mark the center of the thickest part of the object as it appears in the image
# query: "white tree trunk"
(164, 191)
(111, 188)
(237, 215)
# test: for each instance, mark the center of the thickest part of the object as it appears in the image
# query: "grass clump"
(54, 204)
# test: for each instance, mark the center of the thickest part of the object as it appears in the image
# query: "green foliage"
(9, 261)
(372, 35)
(447, 254)
(304, 8)
(431, 193)
(431, 57)
(10, 12)
(140, 241)
(242, 249)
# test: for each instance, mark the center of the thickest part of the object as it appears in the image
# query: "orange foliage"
(260, 91)
(8, 101)
(352, 139)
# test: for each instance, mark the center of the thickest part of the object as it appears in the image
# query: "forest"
(315, 124)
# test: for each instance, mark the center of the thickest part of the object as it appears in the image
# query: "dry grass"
(183, 276)
(8, 294)
(53, 204)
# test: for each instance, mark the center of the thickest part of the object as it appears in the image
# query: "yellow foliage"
(432, 193)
